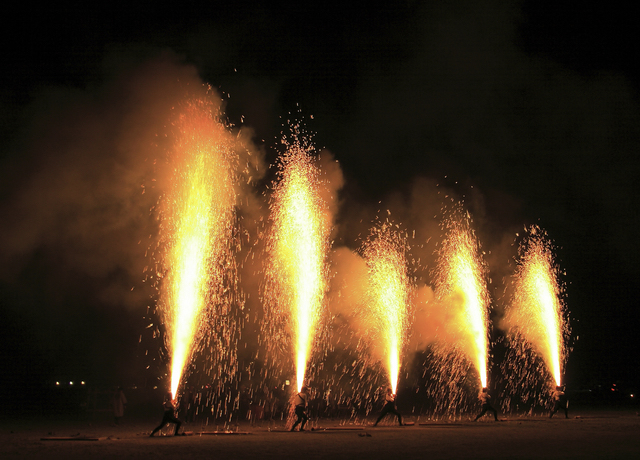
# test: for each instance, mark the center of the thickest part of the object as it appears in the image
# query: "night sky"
(527, 111)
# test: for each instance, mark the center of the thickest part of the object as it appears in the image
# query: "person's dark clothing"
(302, 417)
(301, 414)
(168, 417)
(389, 408)
(560, 402)
(486, 406)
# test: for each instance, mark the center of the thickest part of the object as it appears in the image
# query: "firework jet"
(462, 285)
(536, 311)
(197, 218)
(384, 252)
(297, 247)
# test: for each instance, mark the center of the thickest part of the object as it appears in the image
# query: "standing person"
(118, 402)
(389, 407)
(485, 399)
(560, 401)
(169, 415)
(301, 400)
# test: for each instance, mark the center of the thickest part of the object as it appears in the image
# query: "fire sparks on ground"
(197, 219)
(462, 286)
(297, 249)
(384, 252)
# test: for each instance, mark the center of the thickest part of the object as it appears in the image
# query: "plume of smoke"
(348, 287)
(79, 185)
(333, 180)
(85, 189)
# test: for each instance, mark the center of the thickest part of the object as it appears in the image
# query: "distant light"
(70, 383)
(82, 383)
(57, 383)
(633, 396)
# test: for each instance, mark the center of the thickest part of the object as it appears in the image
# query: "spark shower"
(198, 223)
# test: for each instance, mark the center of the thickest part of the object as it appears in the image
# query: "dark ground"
(589, 434)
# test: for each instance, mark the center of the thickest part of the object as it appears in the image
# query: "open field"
(589, 435)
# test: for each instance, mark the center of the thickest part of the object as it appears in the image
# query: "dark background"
(532, 104)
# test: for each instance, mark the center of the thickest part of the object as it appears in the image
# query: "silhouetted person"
(485, 399)
(169, 415)
(389, 407)
(301, 400)
(560, 401)
(118, 402)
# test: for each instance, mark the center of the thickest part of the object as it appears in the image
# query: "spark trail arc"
(462, 284)
(297, 245)
(537, 311)
(384, 253)
(196, 226)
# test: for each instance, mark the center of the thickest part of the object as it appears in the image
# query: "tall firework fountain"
(536, 319)
(196, 228)
(297, 247)
(462, 288)
(389, 289)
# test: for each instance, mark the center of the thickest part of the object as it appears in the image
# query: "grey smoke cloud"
(78, 229)
(461, 100)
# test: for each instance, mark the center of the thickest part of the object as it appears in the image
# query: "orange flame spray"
(298, 245)
(384, 252)
(462, 282)
(197, 219)
(536, 311)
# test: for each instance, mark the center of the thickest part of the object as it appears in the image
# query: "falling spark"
(536, 311)
(384, 252)
(298, 245)
(197, 218)
(462, 282)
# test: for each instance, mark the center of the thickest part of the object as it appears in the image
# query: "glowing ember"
(462, 283)
(384, 252)
(196, 224)
(297, 246)
(536, 308)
